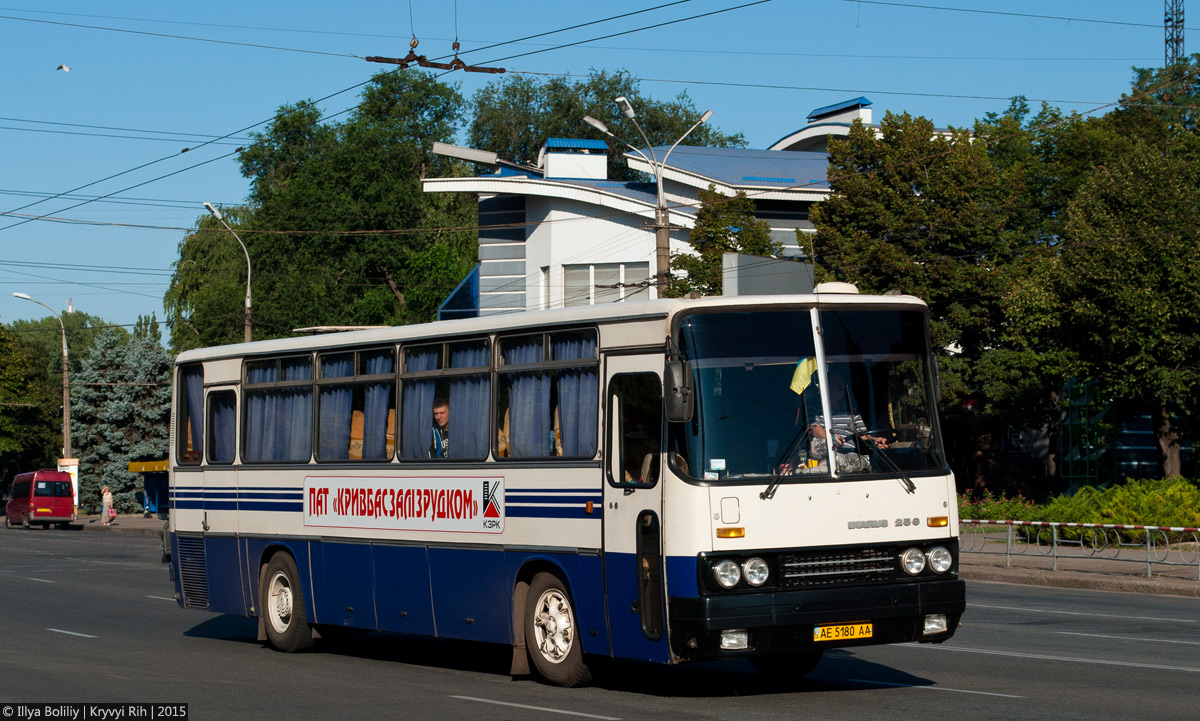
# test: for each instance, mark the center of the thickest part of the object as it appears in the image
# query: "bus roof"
(537, 319)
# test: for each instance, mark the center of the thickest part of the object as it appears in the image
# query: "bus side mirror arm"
(678, 396)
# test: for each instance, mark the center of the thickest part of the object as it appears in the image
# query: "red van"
(40, 497)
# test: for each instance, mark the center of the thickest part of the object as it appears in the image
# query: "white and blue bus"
(664, 481)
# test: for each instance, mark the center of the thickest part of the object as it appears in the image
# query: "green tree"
(121, 409)
(338, 227)
(1129, 289)
(39, 342)
(723, 225)
(515, 115)
(19, 408)
(927, 213)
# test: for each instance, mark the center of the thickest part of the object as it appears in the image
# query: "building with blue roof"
(561, 233)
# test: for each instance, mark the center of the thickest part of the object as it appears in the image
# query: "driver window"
(635, 417)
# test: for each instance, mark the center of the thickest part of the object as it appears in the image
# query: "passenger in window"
(439, 446)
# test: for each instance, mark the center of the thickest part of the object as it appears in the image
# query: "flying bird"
(64, 68)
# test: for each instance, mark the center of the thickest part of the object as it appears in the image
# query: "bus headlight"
(728, 574)
(913, 561)
(940, 559)
(756, 571)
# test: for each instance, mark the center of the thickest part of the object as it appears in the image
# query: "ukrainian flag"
(802, 378)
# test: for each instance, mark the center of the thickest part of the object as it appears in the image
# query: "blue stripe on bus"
(550, 512)
(240, 506)
(510, 499)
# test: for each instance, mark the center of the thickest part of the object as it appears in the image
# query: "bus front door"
(633, 563)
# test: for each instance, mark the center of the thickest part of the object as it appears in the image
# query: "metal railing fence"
(1150, 545)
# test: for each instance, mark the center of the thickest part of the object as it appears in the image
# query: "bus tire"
(786, 667)
(552, 633)
(282, 605)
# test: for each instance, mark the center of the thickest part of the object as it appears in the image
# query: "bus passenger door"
(633, 564)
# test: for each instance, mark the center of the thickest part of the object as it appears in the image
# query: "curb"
(1096, 581)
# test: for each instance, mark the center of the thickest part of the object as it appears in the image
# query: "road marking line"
(1042, 657)
(1080, 613)
(39, 580)
(71, 633)
(1129, 638)
(931, 688)
(161, 598)
(538, 708)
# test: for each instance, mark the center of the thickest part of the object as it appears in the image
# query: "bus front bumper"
(782, 622)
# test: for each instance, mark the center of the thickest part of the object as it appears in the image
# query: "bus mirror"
(677, 391)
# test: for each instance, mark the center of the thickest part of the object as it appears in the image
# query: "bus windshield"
(759, 411)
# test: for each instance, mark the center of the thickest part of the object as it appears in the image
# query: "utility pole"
(1173, 31)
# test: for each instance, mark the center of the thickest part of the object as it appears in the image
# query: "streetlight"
(662, 217)
(217, 214)
(66, 381)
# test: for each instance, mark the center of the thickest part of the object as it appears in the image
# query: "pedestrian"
(106, 507)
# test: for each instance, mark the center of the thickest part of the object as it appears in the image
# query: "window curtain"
(528, 401)
(469, 402)
(279, 420)
(193, 385)
(336, 409)
(222, 427)
(578, 390)
(416, 426)
(377, 403)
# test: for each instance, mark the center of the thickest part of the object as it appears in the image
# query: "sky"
(146, 122)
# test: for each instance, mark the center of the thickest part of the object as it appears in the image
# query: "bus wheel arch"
(283, 618)
(550, 628)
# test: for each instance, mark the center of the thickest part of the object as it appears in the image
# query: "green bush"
(988, 507)
(1166, 502)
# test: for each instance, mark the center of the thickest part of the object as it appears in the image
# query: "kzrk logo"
(493, 510)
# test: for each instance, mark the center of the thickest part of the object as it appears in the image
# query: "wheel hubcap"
(279, 598)
(552, 626)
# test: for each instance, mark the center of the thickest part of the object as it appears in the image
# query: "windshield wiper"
(862, 442)
(775, 477)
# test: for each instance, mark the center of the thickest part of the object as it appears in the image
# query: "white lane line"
(1129, 638)
(39, 580)
(161, 598)
(71, 633)
(538, 708)
(931, 688)
(1070, 659)
(1081, 613)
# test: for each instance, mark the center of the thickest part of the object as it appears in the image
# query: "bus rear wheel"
(552, 633)
(282, 606)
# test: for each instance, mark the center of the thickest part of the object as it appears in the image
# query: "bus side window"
(635, 410)
(189, 433)
(222, 428)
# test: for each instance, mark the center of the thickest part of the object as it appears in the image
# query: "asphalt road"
(87, 617)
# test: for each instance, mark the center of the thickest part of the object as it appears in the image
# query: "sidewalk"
(1091, 574)
(124, 523)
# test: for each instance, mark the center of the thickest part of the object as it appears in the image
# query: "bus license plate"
(843, 632)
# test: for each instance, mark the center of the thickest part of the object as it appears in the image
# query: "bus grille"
(837, 567)
(193, 575)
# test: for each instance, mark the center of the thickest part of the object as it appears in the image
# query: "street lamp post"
(662, 217)
(66, 401)
(217, 214)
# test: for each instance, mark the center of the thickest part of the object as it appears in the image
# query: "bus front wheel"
(552, 633)
(282, 606)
